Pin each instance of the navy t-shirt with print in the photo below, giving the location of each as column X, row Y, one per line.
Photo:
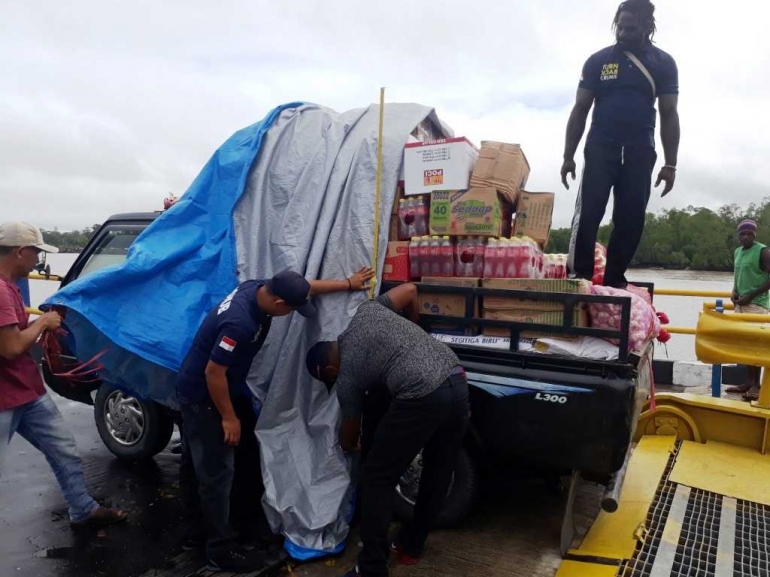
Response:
column 231, row 335
column 624, row 106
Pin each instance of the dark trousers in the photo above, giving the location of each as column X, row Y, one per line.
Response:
column 221, row 486
column 436, row 424
column 627, row 171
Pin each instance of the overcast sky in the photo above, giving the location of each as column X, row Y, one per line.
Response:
column 106, row 107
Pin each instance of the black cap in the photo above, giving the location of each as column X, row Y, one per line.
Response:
column 293, row 288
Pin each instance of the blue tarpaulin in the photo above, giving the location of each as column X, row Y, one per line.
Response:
column 175, row 272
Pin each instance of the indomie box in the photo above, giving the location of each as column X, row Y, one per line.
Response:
column 438, row 165
column 529, row 311
column 579, row 319
column 572, row 286
column 471, row 212
column 396, row 262
column 448, row 304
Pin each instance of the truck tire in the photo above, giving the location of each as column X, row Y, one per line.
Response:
column 131, row 428
column 459, row 500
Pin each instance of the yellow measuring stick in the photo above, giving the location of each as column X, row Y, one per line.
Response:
column 378, row 195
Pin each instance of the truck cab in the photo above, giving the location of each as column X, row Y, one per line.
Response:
column 131, row 428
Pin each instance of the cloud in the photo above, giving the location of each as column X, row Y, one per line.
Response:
column 106, row 108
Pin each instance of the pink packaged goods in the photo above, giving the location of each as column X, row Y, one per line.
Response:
column 645, row 324
column 413, row 217
column 513, row 258
column 555, row 266
column 432, row 257
column 469, row 256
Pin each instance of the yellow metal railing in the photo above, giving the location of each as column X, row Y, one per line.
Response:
column 53, row 277
column 728, row 306
column 692, row 293
column 680, row 330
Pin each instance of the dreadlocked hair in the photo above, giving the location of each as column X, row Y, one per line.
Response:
column 645, row 11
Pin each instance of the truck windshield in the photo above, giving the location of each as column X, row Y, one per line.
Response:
column 112, row 247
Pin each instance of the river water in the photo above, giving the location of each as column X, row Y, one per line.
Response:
column 683, row 311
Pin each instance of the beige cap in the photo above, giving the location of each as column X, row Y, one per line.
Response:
column 23, row 234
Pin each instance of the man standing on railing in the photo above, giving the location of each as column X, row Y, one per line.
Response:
column 25, row 406
column 622, row 83
column 750, row 291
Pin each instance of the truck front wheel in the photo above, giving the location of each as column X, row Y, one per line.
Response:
column 459, row 500
column 131, row 428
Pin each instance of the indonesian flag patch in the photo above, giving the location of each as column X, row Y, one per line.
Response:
column 228, row 344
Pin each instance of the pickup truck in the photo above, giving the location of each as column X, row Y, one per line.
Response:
column 562, row 413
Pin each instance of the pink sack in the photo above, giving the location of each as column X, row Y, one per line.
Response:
column 644, row 325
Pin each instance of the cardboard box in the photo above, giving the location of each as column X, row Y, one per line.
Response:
column 399, row 196
column 579, row 319
column 438, row 165
column 501, row 166
column 396, row 262
column 393, row 228
column 571, row 286
column 533, row 216
column 471, row 212
column 448, row 305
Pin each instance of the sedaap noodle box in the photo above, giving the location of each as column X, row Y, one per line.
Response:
column 470, row 212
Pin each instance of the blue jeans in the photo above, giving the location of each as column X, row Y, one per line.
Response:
column 42, row 425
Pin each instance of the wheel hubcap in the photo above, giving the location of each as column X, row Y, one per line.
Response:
column 409, row 484
column 124, row 418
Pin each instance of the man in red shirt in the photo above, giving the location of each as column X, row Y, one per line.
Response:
column 24, row 404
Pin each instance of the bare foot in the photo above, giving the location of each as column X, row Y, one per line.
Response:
column 102, row 517
column 752, row 394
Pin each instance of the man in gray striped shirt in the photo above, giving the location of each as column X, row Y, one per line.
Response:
column 379, row 353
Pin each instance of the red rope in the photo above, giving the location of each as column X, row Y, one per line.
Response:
column 75, row 373
column 653, row 404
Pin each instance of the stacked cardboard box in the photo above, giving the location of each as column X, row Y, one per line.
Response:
column 540, row 312
column 396, row 267
column 439, row 165
column 533, row 216
column 449, row 305
column 470, row 212
column 502, row 166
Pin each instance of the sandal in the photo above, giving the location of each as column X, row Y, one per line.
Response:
column 750, row 396
column 740, row 389
column 102, row 517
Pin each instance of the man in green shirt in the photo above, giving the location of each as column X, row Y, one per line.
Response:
column 750, row 291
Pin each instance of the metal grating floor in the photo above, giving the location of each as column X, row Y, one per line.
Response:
column 752, row 539
column 696, row 516
column 641, row 564
column 696, row 553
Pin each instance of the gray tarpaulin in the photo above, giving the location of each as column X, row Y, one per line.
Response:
column 309, row 206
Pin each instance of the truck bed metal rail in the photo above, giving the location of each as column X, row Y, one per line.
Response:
column 515, row 328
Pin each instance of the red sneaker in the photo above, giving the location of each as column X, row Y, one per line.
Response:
column 402, row 557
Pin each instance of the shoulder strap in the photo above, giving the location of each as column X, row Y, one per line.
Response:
column 643, row 69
